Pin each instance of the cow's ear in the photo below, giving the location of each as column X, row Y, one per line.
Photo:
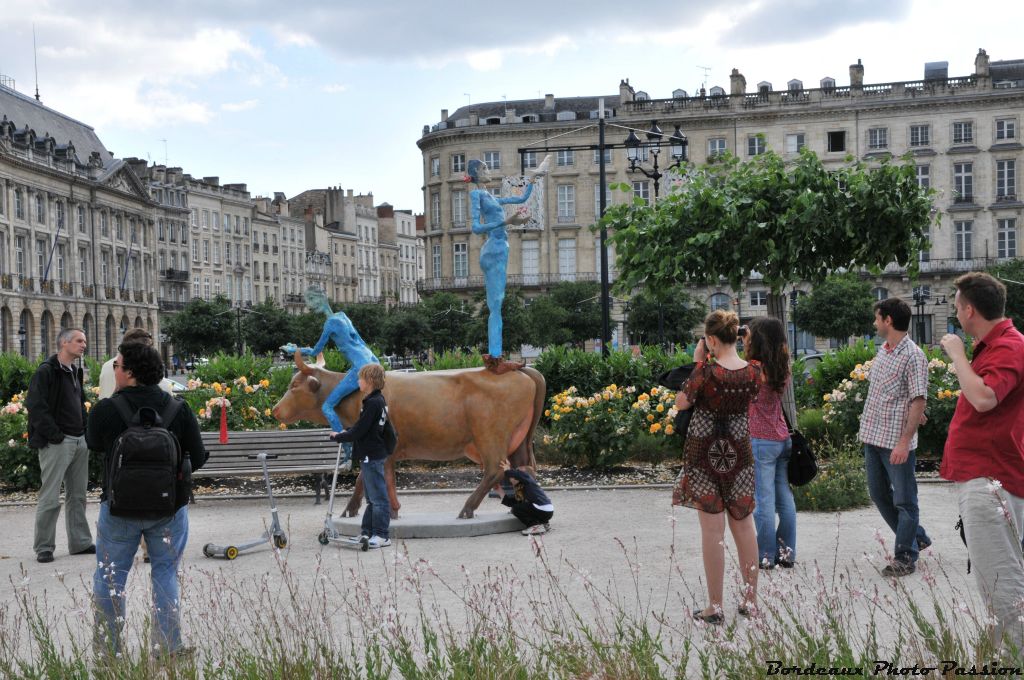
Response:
column 314, row 384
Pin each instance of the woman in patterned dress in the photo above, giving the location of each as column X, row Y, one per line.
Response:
column 718, row 466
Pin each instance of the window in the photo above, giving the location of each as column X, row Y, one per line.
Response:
column 837, row 141
column 104, row 228
column 62, row 273
column 1006, row 237
column 215, row 222
column 460, row 264
column 160, row 230
column 1006, row 128
column 758, row 298
column 720, row 301
column 245, row 225
column 642, row 190
column 962, row 235
column 83, row 266
column 566, row 202
column 755, row 145
column 920, row 135
column 19, row 255
column 435, row 257
column 435, row 166
column 227, row 223
column 567, row 259
column 40, row 257
column 565, row 157
column 607, row 156
column 238, row 224
column 458, row 162
column 963, row 133
column 194, row 217
column 1006, row 180
column 716, row 147
column 435, row 210
column 19, row 204
column 216, row 252
column 492, row 159
column 880, row 293
column 206, row 219
column 597, row 199
column 195, row 251
column 924, row 176
column 529, row 159
column 195, row 286
column 81, row 218
column 458, row 208
column 206, row 250
column 40, row 209
column 963, row 182
column 794, row 142
column 206, row 287
column 926, row 254
column 878, row 138
column 227, row 253
column 531, row 262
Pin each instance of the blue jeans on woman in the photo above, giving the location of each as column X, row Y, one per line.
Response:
column 893, row 488
column 377, row 516
column 117, row 541
column 772, row 496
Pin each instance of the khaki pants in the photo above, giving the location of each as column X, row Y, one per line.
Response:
column 66, row 463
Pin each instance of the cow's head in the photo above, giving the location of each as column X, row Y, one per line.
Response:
column 306, row 392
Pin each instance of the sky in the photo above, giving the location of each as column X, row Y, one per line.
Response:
column 301, row 95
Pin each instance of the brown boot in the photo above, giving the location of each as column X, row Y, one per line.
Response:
column 497, row 365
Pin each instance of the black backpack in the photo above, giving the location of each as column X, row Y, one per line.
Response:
column 388, row 433
column 146, row 466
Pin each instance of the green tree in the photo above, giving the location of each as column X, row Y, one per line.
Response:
column 787, row 221
column 368, row 320
column 305, row 328
column 406, row 331
column 668, row 318
column 581, row 301
column 266, row 327
column 548, row 323
column 1012, row 275
column 514, row 319
column 839, row 307
column 203, row 327
column 448, row 320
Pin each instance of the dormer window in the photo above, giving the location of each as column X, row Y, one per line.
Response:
column 764, row 87
column 679, row 94
column 494, row 120
column 828, row 84
column 795, row 85
column 717, row 91
column 641, row 96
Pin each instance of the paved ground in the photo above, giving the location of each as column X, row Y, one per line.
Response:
column 631, row 539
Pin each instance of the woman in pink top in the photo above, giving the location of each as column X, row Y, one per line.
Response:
column 769, row 438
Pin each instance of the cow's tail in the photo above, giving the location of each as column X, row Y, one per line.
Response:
column 539, row 398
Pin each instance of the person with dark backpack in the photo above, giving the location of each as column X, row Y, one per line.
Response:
column 152, row 444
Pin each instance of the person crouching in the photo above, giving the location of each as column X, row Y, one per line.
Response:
column 528, row 501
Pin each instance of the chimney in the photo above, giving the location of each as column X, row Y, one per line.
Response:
column 737, row 83
column 549, row 102
column 444, row 115
column 212, row 181
column 981, row 64
column 857, row 75
column 626, row 93
column 350, row 193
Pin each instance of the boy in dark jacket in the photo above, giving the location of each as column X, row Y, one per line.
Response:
column 528, row 501
column 367, row 437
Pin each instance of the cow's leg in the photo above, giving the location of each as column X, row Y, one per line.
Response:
column 491, row 455
column 389, row 479
column 356, row 500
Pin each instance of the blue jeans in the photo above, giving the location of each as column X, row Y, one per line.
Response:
column 893, row 489
column 377, row 516
column 772, row 496
column 117, row 540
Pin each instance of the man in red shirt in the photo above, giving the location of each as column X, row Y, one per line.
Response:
column 984, row 452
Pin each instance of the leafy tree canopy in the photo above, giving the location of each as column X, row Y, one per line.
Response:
column 1012, row 275
column 839, row 307
column 670, row 319
column 514, row 318
column 581, row 302
column 203, row 327
column 266, row 327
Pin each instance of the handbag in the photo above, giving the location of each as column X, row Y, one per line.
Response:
column 673, row 379
column 803, row 467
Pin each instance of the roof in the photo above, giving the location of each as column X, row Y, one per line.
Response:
column 26, row 111
column 1012, row 69
column 524, row 107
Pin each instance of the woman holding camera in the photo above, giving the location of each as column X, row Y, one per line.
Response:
column 717, row 478
column 769, row 437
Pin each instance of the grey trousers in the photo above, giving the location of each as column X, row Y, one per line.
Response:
column 993, row 525
column 66, row 463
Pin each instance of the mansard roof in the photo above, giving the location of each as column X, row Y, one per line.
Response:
column 526, row 107
column 25, row 111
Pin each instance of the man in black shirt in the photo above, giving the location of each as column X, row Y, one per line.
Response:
column 56, row 429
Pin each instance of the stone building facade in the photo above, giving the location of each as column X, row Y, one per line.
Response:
column 963, row 133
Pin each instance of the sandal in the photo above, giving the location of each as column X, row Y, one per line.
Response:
column 716, row 619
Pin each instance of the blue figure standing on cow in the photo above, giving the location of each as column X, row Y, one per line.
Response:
column 338, row 328
column 488, row 217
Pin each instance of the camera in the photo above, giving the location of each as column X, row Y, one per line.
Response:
column 742, row 331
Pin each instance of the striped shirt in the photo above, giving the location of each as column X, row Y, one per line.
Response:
column 898, row 376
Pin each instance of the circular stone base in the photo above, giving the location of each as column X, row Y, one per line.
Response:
column 438, row 525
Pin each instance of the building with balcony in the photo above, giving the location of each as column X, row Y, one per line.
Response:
column 78, row 244
column 399, row 245
column 963, row 133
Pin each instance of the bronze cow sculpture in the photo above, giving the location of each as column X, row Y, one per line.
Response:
column 439, row 415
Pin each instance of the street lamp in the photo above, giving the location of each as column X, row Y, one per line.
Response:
column 21, row 338
column 920, row 297
column 677, row 148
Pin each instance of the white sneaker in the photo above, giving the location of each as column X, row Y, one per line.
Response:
column 356, row 539
column 535, row 530
column 378, row 542
column 346, row 466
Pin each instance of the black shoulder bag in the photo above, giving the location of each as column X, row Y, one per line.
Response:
column 674, row 379
column 803, row 467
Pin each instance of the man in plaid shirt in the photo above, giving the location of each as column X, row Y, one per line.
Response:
column 892, row 413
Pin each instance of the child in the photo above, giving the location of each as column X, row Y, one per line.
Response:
column 367, row 437
column 528, row 501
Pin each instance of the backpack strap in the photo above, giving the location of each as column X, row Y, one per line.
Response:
column 124, row 408
column 170, row 411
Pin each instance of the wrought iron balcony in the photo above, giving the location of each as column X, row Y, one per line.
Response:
column 516, row 280
column 175, row 274
column 171, row 305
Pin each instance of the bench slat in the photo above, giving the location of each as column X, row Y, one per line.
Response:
column 298, row 451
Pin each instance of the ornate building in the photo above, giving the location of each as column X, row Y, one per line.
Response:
column 962, row 131
column 77, row 233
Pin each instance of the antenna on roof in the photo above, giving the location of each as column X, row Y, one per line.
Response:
column 707, row 70
column 35, row 60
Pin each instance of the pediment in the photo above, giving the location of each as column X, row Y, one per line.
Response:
column 124, row 180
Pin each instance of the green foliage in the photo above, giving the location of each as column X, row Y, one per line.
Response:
column 668, row 318
column 306, row 328
column 581, row 299
column 549, row 322
column 1009, row 272
column 836, row 367
column 565, row 367
column 406, row 331
column 19, row 465
column 367, row 318
column 451, row 359
column 787, row 221
column 515, row 322
column 811, row 424
column 15, row 373
column 839, row 307
column 203, row 327
column 841, row 483
column 447, row 317
column 93, row 367
column 224, row 368
column 266, row 327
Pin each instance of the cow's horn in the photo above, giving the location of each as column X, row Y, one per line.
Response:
column 300, row 362
column 320, row 361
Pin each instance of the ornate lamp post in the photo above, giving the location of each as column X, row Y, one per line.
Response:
column 678, row 146
column 21, row 338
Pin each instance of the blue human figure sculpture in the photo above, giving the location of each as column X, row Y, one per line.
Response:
column 338, row 328
column 488, row 217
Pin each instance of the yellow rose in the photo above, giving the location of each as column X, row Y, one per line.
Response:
column 650, row 417
column 266, row 412
column 556, row 417
column 661, row 408
column 282, row 426
column 547, row 413
column 669, row 429
column 827, row 397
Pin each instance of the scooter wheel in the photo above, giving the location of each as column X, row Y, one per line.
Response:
column 231, row 552
column 323, row 538
column 208, row 550
column 280, row 541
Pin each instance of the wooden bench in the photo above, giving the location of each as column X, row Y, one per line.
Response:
column 296, row 451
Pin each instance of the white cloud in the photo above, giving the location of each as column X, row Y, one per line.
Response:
column 334, row 88
column 240, row 106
